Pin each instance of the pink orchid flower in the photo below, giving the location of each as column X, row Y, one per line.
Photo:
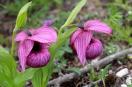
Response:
column 33, row 46
column 83, row 42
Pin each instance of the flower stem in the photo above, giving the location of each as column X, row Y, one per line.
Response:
column 50, row 71
column 60, row 30
column 50, row 66
column 103, row 82
column 13, row 42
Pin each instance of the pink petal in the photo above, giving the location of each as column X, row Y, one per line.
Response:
column 24, row 49
column 98, row 26
column 38, row 59
column 44, row 35
column 94, row 49
column 81, row 43
column 74, row 35
column 21, row 36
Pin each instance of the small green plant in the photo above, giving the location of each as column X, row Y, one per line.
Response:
column 60, row 61
column 94, row 76
column 118, row 18
column 46, row 4
column 4, row 41
column 38, row 12
column 103, row 73
column 129, row 85
column 111, row 48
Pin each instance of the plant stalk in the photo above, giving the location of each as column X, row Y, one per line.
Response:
column 13, row 42
column 103, row 82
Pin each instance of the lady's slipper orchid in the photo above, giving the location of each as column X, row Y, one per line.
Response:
column 83, row 42
column 33, row 46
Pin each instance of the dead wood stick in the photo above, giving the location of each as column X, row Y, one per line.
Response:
column 104, row 61
column 93, row 83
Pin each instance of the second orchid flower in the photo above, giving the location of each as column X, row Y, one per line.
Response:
column 84, row 44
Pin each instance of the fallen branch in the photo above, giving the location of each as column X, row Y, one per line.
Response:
column 100, row 63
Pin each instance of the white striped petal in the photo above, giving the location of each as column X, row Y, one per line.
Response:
column 81, row 43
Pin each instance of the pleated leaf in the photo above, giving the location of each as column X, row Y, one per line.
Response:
column 22, row 16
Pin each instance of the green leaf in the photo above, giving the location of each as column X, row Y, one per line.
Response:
column 7, row 68
column 22, row 16
column 75, row 70
column 129, row 85
column 37, row 79
column 104, row 72
column 7, row 60
column 74, row 13
column 64, row 36
column 92, row 74
column 24, row 76
column 47, row 70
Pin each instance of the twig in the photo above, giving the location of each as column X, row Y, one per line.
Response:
column 100, row 63
column 92, row 83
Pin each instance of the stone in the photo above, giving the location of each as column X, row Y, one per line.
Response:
column 122, row 72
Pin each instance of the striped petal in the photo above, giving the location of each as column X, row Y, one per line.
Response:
column 24, row 49
column 21, row 36
column 97, row 26
column 94, row 49
column 44, row 35
column 38, row 59
column 74, row 35
column 80, row 44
